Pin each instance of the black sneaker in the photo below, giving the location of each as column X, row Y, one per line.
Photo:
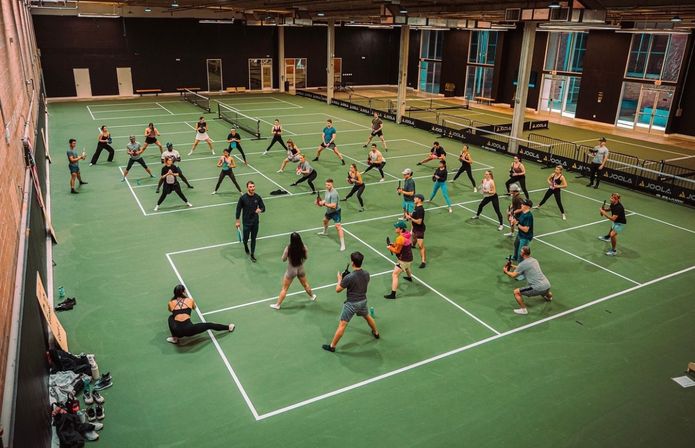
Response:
column 328, row 348
column 342, row 161
column 315, row 159
column 391, row 296
column 103, row 383
column 96, row 396
column 364, row 146
column 100, row 412
column 246, row 249
column 64, row 306
column 410, row 279
column 376, row 335
column 419, row 163
column 157, row 191
column 293, row 185
column 590, row 185
column 423, row 265
column 91, row 414
column 253, row 258
column 189, row 185
column 83, row 182
column 73, row 191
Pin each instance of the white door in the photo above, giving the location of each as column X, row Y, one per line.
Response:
column 83, row 85
column 125, row 81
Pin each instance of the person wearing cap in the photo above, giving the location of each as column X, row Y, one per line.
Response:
column 403, row 250
column 514, row 208
column 599, row 156
column 234, row 140
column 135, row 151
column 437, row 152
column 331, row 201
column 618, row 220
column 417, row 220
column 408, row 191
column 524, row 222
column 538, row 284
column 174, row 156
column 439, row 179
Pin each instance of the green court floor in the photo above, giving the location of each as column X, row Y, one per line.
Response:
column 454, row 366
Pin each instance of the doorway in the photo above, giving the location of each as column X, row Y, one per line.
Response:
column 559, row 94
column 125, row 81
column 295, row 72
column 337, row 71
column 83, row 84
column 260, row 74
column 645, row 107
column 214, row 69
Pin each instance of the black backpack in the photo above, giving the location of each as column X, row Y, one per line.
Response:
column 67, row 429
column 62, row 361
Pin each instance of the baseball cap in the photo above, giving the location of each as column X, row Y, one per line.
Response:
column 528, row 202
column 419, row 196
column 400, row 224
column 407, row 171
column 514, row 187
column 169, row 145
column 602, row 139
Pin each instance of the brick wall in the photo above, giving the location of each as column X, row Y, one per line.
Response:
column 18, row 63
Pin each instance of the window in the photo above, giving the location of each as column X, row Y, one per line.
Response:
column 481, row 59
column 656, row 56
column 431, row 45
column 483, row 47
column 565, row 52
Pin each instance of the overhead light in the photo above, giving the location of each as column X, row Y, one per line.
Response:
column 98, row 16
column 320, row 14
column 218, row 22
column 676, row 19
column 174, row 4
column 554, row 5
column 403, row 11
column 148, row 9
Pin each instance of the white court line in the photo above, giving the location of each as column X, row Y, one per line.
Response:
column 250, row 166
column 144, row 125
column 602, row 221
column 154, row 115
column 196, row 180
column 126, row 110
column 131, row 103
column 244, row 111
column 163, row 134
column 647, row 147
column 564, row 251
column 678, row 158
column 390, row 260
column 314, row 288
column 287, row 102
column 142, row 209
column 90, row 112
column 219, row 349
column 158, row 104
column 467, row 347
column 633, row 211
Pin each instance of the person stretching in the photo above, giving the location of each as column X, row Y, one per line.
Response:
column 226, row 162
column 293, row 153
column 331, row 201
column 417, row 219
column 170, row 174
column 375, row 160
column 489, row 195
column 234, row 140
column 295, row 255
column 466, row 162
column 180, row 326
column 517, row 175
column 556, row 182
column 538, row 284
column 355, row 179
column 307, row 172
column 439, row 178
column 277, row 136
column 328, row 141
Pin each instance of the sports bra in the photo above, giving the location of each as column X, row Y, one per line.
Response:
column 277, row 129
column 179, row 311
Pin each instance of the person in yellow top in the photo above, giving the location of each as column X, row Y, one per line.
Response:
column 403, row 250
column 355, row 179
column 181, row 306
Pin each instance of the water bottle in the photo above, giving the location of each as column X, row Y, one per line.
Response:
column 82, row 416
column 371, row 311
column 61, row 292
column 95, row 368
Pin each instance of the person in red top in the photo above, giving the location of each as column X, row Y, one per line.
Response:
column 402, row 249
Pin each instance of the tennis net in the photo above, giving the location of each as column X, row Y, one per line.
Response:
column 495, row 140
column 430, row 104
column 197, row 99
column 240, row 120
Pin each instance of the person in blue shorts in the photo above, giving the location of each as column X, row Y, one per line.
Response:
column 407, row 191
column 74, row 165
column 617, row 217
column 328, row 141
column 331, row 201
column 524, row 223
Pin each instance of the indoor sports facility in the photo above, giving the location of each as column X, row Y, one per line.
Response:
column 148, row 301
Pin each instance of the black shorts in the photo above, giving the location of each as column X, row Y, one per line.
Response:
column 419, row 234
column 150, row 140
column 131, row 162
column 329, row 146
column 378, row 133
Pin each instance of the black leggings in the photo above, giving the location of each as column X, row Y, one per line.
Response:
column 465, row 166
column 359, row 189
column 252, row 231
column 241, row 150
column 521, row 180
column 595, row 173
column 276, row 138
column 132, row 162
column 495, row 204
column 170, row 188
column 229, row 174
column 188, row 328
column 181, row 176
column 100, row 147
column 556, row 192
column 310, row 178
column 378, row 166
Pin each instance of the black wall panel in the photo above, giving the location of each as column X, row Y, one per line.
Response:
column 371, row 55
column 604, row 68
column 413, row 58
column 685, row 96
column 508, row 67
column 454, row 60
column 309, row 43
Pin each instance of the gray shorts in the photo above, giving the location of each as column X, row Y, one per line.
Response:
column 294, row 271
column 352, row 308
column 529, row 291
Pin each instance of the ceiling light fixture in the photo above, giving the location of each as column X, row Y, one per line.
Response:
column 676, row 19
column 148, row 9
column 174, row 4
column 403, row 11
column 320, row 14
column 554, row 5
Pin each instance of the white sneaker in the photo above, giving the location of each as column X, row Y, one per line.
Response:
column 475, row 217
column 173, row 339
column 98, row 426
column 214, row 192
column 612, row 253
column 475, row 190
column 381, row 180
column 564, row 218
column 500, row 227
column 91, row 164
column 279, row 171
column 264, row 153
column 322, row 234
column 523, row 311
column 451, row 210
column 510, row 234
column 123, row 180
column 274, row 306
column 91, row 435
column 189, row 204
column 190, row 153
column 342, row 248
column 313, row 297
column 231, row 327
column 156, row 207
column 212, row 151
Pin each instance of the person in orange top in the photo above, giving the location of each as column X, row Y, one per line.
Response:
column 402, row 249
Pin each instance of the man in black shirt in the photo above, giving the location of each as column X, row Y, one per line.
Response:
column 417, row 219
column 436, row 153
column 356, row 284
column 234, row 140
column 617, row 217
column 251, row 205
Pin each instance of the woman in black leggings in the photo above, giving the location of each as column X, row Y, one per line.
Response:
column 556, row 182
column 307, row 172
column 355, row 179
column 489, row 195
column 466, row 162
column 169, row 175
column 103, row 144
column 226, row 162
column 180, row 324
column 277, row 137
column 517, row 175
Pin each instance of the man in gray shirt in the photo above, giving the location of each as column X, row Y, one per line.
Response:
column 356, row 283
column 331, row 201
column 135, row 151
column 599, row 156
column 538, row 284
